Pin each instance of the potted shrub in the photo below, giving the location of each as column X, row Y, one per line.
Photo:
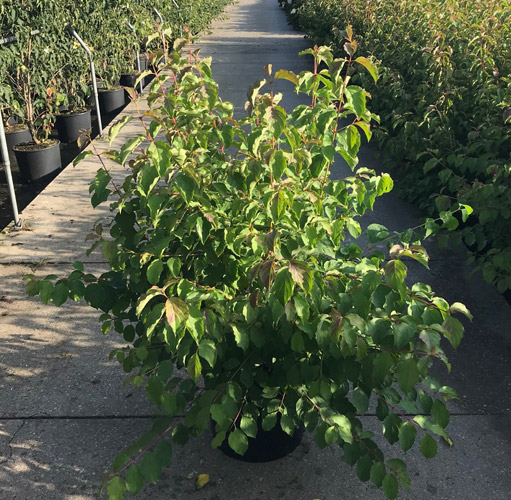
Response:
column 70, row 98
column 233, row 259
column 30, row 81
column 109, row 55
column 15, row 130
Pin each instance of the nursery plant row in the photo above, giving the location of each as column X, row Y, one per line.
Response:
column 444, row 98
column 45, row 74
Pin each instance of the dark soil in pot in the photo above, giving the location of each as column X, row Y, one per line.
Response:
column 14, row 135
column 69, row 125
column 111, row 100
column 36, row 161
column 267, row 445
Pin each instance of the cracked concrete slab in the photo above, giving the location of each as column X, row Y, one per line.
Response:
column 66, row 459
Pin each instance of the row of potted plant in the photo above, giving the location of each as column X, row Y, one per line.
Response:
column 45, row 78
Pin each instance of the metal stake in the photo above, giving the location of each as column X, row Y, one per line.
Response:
column 132, row 28
column 179, row 16
column 93, row 75
column 8, row 175
column 159, row 15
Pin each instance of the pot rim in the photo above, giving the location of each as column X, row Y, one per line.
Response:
column 13, row 129
column 29, row 151
column 73, row 113
column 117, row 88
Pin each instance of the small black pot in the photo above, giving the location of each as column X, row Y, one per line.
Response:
column 144, row 63
column 37, row 163
column 111, row 100
column 267, row 445
column 13, row 138
column 128, row 80
column 69, row 125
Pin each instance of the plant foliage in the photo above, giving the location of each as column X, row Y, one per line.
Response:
column 238, row 286
column 445, row 100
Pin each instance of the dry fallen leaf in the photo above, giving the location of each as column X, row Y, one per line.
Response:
column 202, row 480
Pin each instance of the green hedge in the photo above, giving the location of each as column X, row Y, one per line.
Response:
column 444, row 97
column 54, row 67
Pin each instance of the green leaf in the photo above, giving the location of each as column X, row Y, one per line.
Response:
column 278, row 164
column 154, row 271
column 301, row 275
column 186, row 186
column 364, row 466
column 377, row 474
column 218, row 439
column 343, row 426
column 369, row 65
column 94, row 295
column 248, row 426
column 174, row 264
column 227, row 135
column 407, row 374
column 194, row 367
column 134, row 480
column 117, row 127
column 407, row 434
column 180, row 434
column 207, row 351
column 466, row 210
column 60, row 294
column 302, row 307
column 177, row 312
column 81, row 156
column 241, row 336
column 269, row 421
column 376, row 233
column 381, row 367
column 360, row 400
column 297, row 343
column 163, row 453
column 152, row 320
column 440, row 413
column 46, row 291
column 286, row 75
column 391, row 426
column 428, row 446
column 395, row 273
column 283, row 286
column 150, row 468
column 356, row 99
column 154, row 390
column 116, row 489
column 453, row 331
column 390, row 486
column 238, row 441
column 458, row 307
column 403, row 334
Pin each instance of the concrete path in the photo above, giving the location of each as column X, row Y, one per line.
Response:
column 64, row 412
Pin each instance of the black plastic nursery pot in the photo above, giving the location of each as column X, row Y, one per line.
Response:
column 111, row 100
column 128, row 80
column 35, row 161
column 69, row 125
column 15, row 135
column 267, row 446
column 144, row 62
